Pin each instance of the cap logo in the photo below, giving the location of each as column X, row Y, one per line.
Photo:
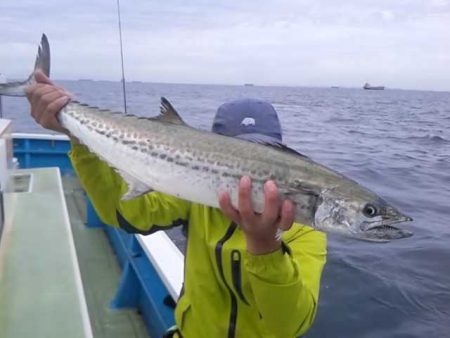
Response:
column 248, row 121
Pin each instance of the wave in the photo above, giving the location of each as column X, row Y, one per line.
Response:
column 339, row 120
column 432, row 139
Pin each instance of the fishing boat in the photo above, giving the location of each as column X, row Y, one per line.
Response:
column 63, row 273
column 368, row 86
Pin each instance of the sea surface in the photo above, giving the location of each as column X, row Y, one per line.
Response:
column 395, row 142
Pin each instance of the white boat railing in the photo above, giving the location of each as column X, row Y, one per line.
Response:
column 153, row 255
column 167, row 260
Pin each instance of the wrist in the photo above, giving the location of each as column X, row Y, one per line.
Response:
column 261, row 246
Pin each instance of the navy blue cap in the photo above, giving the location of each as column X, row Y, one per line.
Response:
column 249, row 119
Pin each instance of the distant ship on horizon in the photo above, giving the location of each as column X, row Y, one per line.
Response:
column 367, row 86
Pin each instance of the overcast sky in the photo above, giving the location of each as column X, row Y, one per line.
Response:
column 400, row 44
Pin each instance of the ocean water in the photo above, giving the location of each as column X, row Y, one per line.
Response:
column 395, row 142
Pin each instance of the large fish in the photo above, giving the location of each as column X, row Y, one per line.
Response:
column 164, row 154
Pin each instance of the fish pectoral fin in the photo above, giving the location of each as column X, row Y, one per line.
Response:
column 135, row 188
column 306, row 198
column 299, row 188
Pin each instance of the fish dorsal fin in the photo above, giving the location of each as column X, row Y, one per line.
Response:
column 169, row 114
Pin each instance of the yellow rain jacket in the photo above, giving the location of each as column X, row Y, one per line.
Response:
column 227, row 291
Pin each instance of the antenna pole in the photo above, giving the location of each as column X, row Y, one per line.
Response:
column 121, row 58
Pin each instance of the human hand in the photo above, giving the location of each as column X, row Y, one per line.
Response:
column 260, row 229
column 46, row 100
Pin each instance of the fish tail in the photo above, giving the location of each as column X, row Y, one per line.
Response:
column 42, row 63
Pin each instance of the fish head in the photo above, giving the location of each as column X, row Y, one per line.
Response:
column 367, row 217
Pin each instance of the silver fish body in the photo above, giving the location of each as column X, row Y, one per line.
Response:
column 164, row 154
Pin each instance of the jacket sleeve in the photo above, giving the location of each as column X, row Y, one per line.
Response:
column 285, row 283
column 144, row 214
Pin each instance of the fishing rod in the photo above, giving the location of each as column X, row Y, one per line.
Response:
column 2, row 80
column 121, row 58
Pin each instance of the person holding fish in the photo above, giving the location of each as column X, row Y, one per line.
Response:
column 255, row 246
column 242, row 277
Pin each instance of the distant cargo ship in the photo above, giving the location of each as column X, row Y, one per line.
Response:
column 248, row 84
column 369, row 87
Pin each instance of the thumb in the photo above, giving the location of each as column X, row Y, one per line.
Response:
column 40, row 77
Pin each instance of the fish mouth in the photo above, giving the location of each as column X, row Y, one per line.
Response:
column 384, row 230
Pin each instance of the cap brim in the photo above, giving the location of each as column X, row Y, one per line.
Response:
column 260, row 138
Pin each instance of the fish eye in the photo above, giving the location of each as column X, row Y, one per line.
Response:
column 370, row 210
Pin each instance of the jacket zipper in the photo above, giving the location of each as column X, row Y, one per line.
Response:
column 218, row 249
column 236, row 274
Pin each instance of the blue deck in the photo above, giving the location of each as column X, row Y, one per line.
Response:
column 140, row 285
